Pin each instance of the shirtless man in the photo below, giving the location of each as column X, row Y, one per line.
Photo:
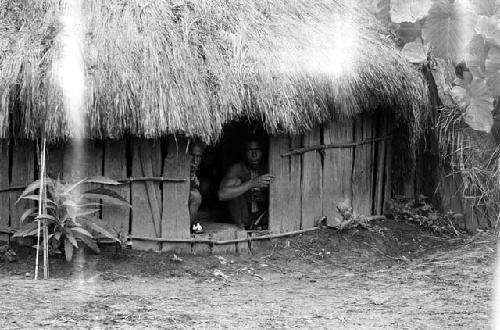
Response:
column 195, row 199
column 245, row 187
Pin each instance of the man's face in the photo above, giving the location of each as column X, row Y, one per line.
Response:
column 196, row 155
column 253, row 154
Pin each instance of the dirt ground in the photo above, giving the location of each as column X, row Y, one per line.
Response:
column 392, row 276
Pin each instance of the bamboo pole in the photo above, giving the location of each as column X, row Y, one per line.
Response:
column 232, row 241
column 45, row 227
column 40, row 207
column 333, row 146
column 121, row 181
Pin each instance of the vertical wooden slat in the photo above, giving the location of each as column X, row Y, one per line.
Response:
column 380, row 161
column 278, row 167
column 82, row 159
column 175, row 218
column 312, row 192
column 362, row 169
column 241, row 247
column 23, row 162
column 4, row 182
column 337, row 170
column 285, row 197
column 115, row 167
column 145, row 208
column 55, row 160
column 295, row 192
column 388, row 170
column 223, row 235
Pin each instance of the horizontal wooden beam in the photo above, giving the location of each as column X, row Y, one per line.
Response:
column 216, row 242
column 333, row 146
column 122, row 181
column 12, row 188
column 152, row 178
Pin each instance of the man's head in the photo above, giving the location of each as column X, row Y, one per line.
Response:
column 196, row 153
column 254, row 153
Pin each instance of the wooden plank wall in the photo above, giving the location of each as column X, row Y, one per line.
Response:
column 175, row 217
column 115, row 166
column 356, row 176
column 4, row 182
column 306, row 187
column 159, row 209
column 17, row 169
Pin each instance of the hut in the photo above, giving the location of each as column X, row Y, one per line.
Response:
column 321, row 79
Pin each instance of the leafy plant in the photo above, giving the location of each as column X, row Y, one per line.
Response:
column 460, row 32
column 348, row 220
column 423, row 215
column 71, row 213
column 459, row 40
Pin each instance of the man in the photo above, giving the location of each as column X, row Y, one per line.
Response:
column 195, row 199
column 245, row 187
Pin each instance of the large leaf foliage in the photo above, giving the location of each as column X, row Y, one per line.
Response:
column 492, row 68
column 409, row 10
column 485, row 7
column 449, row 28
column 415, row 52
column 70, row 212
column 452, row 31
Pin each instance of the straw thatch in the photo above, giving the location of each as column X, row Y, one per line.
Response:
column 165, row 66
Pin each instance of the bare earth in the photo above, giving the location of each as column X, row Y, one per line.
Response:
column 395, row 276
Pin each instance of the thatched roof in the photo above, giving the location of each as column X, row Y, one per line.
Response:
column 175, row 66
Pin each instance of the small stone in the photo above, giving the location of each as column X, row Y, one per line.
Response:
column 27, row 274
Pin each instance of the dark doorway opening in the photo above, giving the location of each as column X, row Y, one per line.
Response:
column 217, row 161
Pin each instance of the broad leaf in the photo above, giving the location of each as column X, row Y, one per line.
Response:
column 77, row 206
column 34, row 186
column 379, row 8
column 449, row 27
column 493, row 70
column 81, row 231
column 90, row 242
column 103, row 180
column 485, row 7
column 384, row 11
column 36, row 198
column 28, row 230
column 68, row 250
column 46, row 217
column 489, row 28
column 70, row 237
column 409, row 10
column 479, row 112
column 476, row 55
column 415, row 52
column 98, row 226
column 27, row 213
column 106, row 195
column 85, row 213
column 72, row 186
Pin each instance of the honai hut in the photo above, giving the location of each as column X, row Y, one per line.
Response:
column 321, row 82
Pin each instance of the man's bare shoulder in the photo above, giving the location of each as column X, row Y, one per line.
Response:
column 237, row 170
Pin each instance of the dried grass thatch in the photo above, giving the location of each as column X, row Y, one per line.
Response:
column 165, row 66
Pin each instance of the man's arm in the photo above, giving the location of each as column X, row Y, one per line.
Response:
column 232, row 186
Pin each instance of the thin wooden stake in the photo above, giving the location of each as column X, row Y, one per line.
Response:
column 45, row 227
column 40, row 206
